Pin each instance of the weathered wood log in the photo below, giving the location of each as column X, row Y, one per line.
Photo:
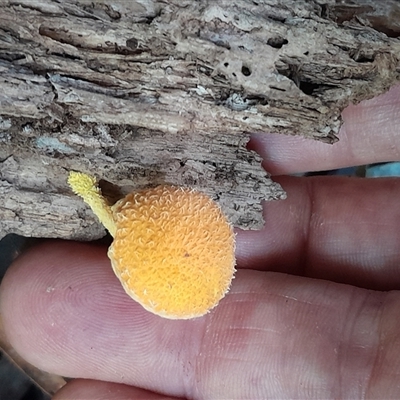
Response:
column 145, row 92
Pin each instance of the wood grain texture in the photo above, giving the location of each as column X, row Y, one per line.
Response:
column 146, row 92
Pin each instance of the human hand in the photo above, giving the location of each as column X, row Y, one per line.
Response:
column 313, row 311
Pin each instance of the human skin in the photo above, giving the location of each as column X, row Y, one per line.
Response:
column 312, row 313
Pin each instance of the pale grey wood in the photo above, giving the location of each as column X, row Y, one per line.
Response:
column 146, row 92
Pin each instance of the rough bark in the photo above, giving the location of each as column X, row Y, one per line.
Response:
column 146, row 92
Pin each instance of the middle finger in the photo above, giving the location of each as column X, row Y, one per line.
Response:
column 341, row 229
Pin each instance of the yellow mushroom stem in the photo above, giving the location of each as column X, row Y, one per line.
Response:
column 86, row 187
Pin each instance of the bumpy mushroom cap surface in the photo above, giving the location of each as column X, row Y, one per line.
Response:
column 173, row 251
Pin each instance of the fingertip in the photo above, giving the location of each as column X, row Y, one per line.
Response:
column 36, row 296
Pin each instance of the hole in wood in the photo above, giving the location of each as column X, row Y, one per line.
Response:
column 277, row 42
column 246, row 71
column 362, row 57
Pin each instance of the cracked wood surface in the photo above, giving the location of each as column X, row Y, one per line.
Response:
column 146, row 92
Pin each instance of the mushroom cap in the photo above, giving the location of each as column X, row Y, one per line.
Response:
column 173, row 251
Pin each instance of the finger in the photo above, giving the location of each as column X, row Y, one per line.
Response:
column 341, row 229
column 370, row 134
column 273, row 336
column 87, row 389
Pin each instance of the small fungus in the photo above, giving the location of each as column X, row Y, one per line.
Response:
column 173, row 248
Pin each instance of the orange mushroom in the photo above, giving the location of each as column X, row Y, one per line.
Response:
column 173, row 249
